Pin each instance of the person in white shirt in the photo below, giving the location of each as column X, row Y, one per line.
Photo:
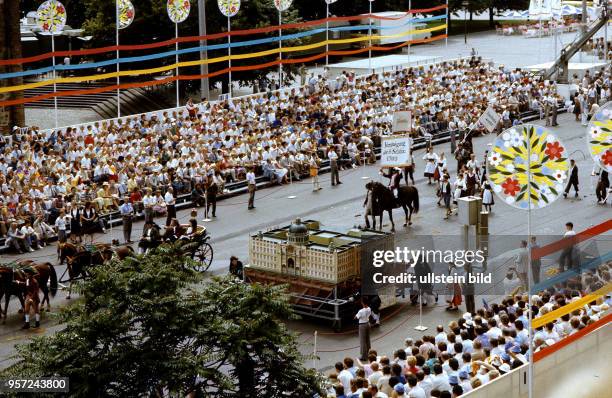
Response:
column 170, row 205
column 344, row 376
column 376, row 374
column 252, row 187
column 441, row 337
column 363, row 317
column 439, row 380
column 511, row 283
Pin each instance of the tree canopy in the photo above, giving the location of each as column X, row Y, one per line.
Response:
column 144, row 326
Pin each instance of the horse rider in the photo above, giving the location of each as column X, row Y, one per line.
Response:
column 395, row 177
column 32, row 299
column 150, row 237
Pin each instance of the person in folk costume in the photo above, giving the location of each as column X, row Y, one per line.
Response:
column 487, row 197
column 460, row 189
column 32, row 300
column 88, row 220
column 445, row 194
column 455, row 301
column 483, row 176
column 473, row 163
column 395, row 177
column 151, row 237
column 431, row 160
column 440, row 166
column 471, row 180
column 75, row 222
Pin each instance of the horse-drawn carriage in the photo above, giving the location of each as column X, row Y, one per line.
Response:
column 80, row 258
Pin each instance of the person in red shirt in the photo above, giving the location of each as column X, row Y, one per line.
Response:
column 136, row 200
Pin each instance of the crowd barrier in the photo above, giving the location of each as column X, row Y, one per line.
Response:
column 577, row 366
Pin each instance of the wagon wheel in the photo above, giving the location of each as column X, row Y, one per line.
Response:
column 204, row 256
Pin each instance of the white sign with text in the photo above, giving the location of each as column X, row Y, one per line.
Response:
column 402, row 121
column 395, row 151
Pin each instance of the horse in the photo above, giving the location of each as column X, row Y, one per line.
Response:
column 45, row 274
column 408, row 199
column 77, row 264
column 9, row 287
column 12, row 282
column 65, row 250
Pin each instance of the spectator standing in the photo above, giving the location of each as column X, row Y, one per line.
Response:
column 363, row 317
column 170, row 205
column 333, row 164
column 127, row 214
column 252, row 187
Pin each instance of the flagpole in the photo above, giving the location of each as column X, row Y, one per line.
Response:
column 410, row 15
column 280, row 50
column 370, row 37
column 117, row 41
column 326, row 33
column 176, row 47
column 54, row 77
column 446, row 38
column 229, row 56
column 529, row 270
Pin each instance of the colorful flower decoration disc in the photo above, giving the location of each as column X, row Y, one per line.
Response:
column 126, row 13
column 330, row 1
column 178, row 10
column 51, row 16
column 229, row 8
column 282, row 5
column 508, row 166
column 599, row 136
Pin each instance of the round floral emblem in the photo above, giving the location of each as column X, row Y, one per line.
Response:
column 527, row 166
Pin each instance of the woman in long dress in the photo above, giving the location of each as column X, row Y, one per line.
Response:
column 487, row 197
column 75, row 222
column 431, row 160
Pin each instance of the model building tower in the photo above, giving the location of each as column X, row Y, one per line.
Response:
column 303, row 250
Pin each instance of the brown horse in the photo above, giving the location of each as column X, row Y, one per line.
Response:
column 83, row 258
column 408, row 199
column 45, row 274
column 12, row 282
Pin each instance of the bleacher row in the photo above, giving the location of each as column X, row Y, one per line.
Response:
column 113, row 219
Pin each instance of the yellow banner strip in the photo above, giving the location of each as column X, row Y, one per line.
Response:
column 138, row 72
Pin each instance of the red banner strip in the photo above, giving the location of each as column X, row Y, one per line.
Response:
column 243, row 32
column 570, row 241
column 571, row 338
column 170, row 79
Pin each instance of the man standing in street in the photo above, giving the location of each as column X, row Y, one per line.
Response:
column 170, row 205
column 567, row 253
column 333, row 163
column 252, row 186
column 127, row 212
column 363, row 317
column 573, row 179
column 520, row 264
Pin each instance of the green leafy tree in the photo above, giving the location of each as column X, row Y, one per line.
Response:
column 145, row 328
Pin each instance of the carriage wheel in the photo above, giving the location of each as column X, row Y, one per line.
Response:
column 204, row 256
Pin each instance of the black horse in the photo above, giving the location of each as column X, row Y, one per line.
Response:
column 383, row 200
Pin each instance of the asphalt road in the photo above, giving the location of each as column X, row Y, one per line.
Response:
column 340, row 208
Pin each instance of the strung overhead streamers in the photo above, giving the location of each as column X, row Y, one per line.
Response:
column 178, row 10
column 126, row 13
column 528, row 166
column 599, row 136
column 229, row 8
column 51, row 16
column 282, row 5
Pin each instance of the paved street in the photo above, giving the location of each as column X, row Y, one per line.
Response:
column 339, row 208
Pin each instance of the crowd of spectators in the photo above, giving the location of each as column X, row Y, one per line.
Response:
column 277, row 135
column 474, row 350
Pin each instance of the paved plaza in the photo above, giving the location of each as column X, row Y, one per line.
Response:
column 340, row 208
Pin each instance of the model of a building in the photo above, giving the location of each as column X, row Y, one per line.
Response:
column 304, row 250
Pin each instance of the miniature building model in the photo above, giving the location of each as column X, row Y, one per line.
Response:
column 303, row 250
